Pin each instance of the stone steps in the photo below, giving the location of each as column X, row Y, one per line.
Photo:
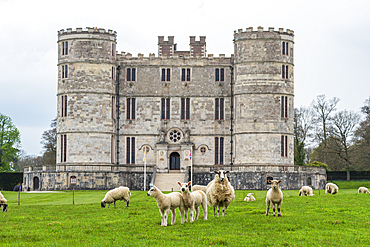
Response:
column 168, row 181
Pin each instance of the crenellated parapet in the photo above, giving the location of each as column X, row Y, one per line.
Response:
column 260, row 33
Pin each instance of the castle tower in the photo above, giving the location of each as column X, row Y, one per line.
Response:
column 198, row 47
column 264, row 94
column 86, row 99
column 166, row 47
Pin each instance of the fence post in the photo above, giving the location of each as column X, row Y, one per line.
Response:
column 73, row 196
column 19, row 197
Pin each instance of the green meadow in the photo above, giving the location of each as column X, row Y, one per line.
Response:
column 50, row 219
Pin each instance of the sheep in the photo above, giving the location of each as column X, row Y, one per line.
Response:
column 274, row 196
column 167, row 202
column 331, row 188
column 193, row 200
column 249, row 198
column 363, row 190
column 120, row 193
column 199, row 187
column 306, row 191
column 3, row 204
column 220, row 193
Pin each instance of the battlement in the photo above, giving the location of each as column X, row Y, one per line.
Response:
column 202, row 40
column 94, row 30
column 260, row 30
column 128, row 56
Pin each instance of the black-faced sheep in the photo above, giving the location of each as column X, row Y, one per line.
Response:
column 120, row 193
column 306, row 191
column 167, row 202
column 3, row 204
column 220, row 193
column 331, row 188
column 193, row 200
column 249, row 198
column 363, row 190
column 274, row 196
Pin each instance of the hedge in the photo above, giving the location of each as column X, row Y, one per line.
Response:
column 8, row 180
column 342, row 175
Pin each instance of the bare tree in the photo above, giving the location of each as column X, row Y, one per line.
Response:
column 324, row 107
column 344, row 123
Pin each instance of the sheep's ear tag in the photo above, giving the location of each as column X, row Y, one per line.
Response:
column 189, row 183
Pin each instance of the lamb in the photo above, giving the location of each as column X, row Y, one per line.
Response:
column 3, row 204
column 249, row 198
column 363, row 190
column 199, row 187
column 274, row 196
column 331, row 188
column 220, row 193
column 193, row 200
column 120, row 193
column 167, row 202
column 306, row 191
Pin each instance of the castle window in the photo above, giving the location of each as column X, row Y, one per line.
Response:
column 166, row 75
column 64, row 71
column 285, row 48
column 284, row 146
column 112, row 149
column 175, row 136
column 284, row 71
column 185, row 74
column 219, row 74
column 165, row 109
column 219, row 109
column 130, row 109
column 65, row 48
column 113, row 115
column 113, row 72
column 131, row 74
column 73, row 179
column 113, row 49
column 64, row 106
column 130, row 150
column 185, row 109
column 219, row 150
column 284, row 107
column 203, row 150
column 63, row 145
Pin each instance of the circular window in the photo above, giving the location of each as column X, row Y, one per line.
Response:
column 175, row 136
column 203, row 150
column 146, row 149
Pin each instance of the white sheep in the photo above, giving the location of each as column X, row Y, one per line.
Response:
column 249, row 198
column 306, row 191
column 331, row 188
column 274, row 196
column 167, row 202
column 363, row 190
column 3, row 204
column 220, row 193
column 120, row 193
column 193, row 200
column 199, row 187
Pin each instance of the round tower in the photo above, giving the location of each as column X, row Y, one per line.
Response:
column 86, row 99
column 263, row 96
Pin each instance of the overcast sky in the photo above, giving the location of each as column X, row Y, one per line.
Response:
column 331, row 56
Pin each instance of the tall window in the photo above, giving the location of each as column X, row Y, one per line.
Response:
column 165, row 109
column 284, row 71
column 130, row 109
column 131, row 74
column 284, row 48
column 130, row 150
column 284, row 146
column 63, row 145
column 185, row 74
column 113, row 72
column 166, row 75
column 64, row 106
column 220, row 75
column 64, row 71
column 185, row 108
column 65, row 48
column 219, row 109
column 219, row 150
column 113, row 115
column 284, row 106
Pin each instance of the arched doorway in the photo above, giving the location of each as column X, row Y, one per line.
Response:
column 175, row 161
column 36, row 183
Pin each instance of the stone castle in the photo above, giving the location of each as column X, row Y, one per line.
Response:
column 121, row 117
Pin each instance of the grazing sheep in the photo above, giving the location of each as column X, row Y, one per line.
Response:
column 306, row 191
column 193, row 200
column 274, row 196
column 249, row 198
column 220, row 193
column 3, row 204
column 167, row 202
column 363, row 190
column 120, row 193
column 331, row 188
column 199, row 187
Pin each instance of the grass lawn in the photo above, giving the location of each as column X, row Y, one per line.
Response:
column 50, row 219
